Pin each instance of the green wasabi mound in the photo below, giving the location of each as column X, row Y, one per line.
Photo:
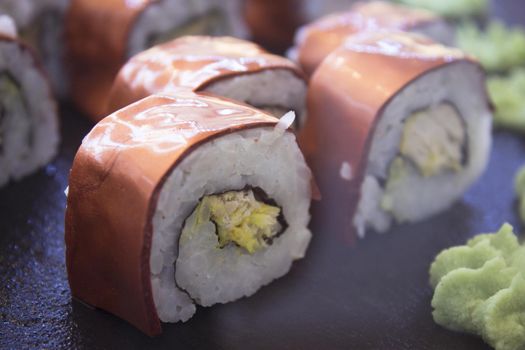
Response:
column 462, row 291
column 506, row 93
column 502, row 317
column 519, row 185
column 480, row 289
column 478, row 250
column 498, row 48
column 504, row 241
column 458, row 257
column 452, row 8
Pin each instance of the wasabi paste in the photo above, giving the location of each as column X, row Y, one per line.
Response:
column 452, row 8
column 506, row 93
column 498, row 48
column 519, row 185
column 480, row 289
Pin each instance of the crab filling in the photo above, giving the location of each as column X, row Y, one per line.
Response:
column 211, row 23
column 433, row 143
column 242, row 218
column 433, row 140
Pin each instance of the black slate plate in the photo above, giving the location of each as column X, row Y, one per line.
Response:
column 366, row 294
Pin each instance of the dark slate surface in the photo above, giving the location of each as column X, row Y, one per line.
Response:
column 367, row 294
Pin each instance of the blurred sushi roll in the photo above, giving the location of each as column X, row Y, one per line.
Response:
column 316, row 40
column 28, row 114
column 273, row 23
column 314, row 9
column 223, row 66
column 406, row 121
column 183, row 200
column 101, row 35
column 41, row 25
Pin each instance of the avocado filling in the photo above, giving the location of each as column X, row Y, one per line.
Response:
column 242, row 218
column 11, row 104
column 210, row 23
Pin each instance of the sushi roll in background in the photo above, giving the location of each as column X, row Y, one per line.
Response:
column 102, row 34
column 313, row 9
column 28, row 113
column 41, row 25
column 181, row 201
column 224, row 66
column 316, row 40
column 406, row 122
column 273, row 23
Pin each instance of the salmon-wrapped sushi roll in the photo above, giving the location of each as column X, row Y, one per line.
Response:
column 273, row 23
column 41, row 25
column 28, row 114
column 406, row 121
column 224, row 66
column 314, row 41
column 102, row 34
column 181, row 201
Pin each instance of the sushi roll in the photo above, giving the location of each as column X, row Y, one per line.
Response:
column 28, row 114
column 406, row 122
column 41, row 25
column 101, row 35
column 273, row 23
column 183, row 200
column 314, row 41
column 223, row 66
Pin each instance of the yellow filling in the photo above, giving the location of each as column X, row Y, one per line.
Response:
column 432, row 143
column 240, row 218
column 433, row 140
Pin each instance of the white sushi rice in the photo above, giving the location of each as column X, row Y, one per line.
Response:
column 38, row 121
column 417, row 197
column 271, row 89
column 166, row 15
column 268, row 158
column 27, row 14
column 8, row 27
column 345, row 172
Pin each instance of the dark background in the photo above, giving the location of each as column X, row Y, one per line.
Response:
column 366, row 294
